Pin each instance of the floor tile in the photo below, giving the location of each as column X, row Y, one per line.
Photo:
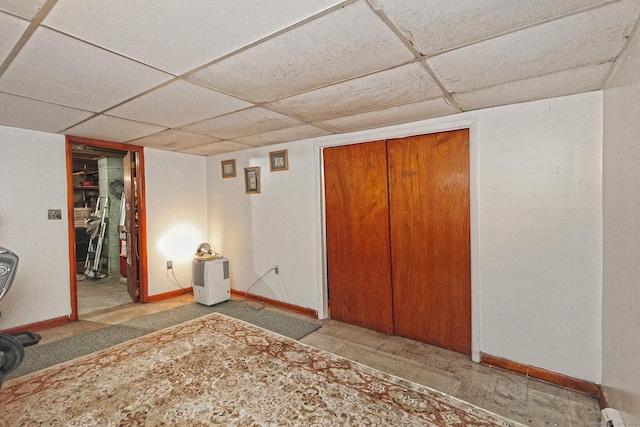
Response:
column 507, row 407
column 585, row 411
column 522, row 399
column 467, row 392
column 434, row 377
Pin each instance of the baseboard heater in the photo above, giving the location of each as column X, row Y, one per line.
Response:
column 612, row 418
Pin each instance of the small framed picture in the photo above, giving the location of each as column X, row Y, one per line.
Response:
column 279, row 160
column 228, row 168
column 252, row 180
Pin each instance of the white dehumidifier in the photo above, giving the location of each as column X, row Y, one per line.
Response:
column 211, row 283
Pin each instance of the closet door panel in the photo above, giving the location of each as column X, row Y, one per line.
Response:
column 430, row 243
column 357, row 229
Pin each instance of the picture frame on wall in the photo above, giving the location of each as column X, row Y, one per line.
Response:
column 279, row 160
column 252, row 180
column 228, row 168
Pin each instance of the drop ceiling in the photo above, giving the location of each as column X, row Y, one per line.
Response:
column 207, row 77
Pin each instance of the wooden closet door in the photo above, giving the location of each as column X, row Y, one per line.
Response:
column 357, row 227
column 430, row 243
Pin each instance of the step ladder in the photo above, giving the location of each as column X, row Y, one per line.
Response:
column 96, row 227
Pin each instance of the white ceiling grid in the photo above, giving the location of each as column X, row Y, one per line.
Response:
column 210, row 77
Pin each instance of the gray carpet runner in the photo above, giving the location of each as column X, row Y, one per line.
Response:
column 41, row 356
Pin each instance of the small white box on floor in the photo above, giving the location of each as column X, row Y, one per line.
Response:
column 211, row 283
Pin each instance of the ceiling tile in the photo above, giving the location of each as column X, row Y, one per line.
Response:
column 216, row 148
column 26, row 113
column 12, row 30
column 344, row 44
column 175, row 36
column 447, row 25
column 283, row 135
column 579, row 40
column 173, row 139
column 243, row 123
column 61, row 70
column 391, row 116
column 402, row 85
column 178, row 103
column 24, row 8
column 567, row 82
column 113, row 129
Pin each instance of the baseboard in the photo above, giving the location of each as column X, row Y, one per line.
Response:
column 39, row 326
column 167, row 295
column 602, row 399
column 571, row 383
column 285, row 305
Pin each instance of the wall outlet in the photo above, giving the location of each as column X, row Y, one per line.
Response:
column 54, row 214
column 169, row 265
column 277, row 269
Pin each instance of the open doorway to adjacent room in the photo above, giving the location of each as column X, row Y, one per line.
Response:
column 105, row 211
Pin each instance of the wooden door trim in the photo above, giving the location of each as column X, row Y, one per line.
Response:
column 71, row 230
column 142, row 217
column 142, row 226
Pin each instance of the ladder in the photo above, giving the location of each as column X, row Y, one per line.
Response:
column 94, row 252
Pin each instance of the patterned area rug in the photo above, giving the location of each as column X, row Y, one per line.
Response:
column 217, row 370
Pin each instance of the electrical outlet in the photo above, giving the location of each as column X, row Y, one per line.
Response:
column 169, row 265
column 277, row 270
column 54, row 213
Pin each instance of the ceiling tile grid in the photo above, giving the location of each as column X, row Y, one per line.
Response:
column 114, row 129
column 243, row 123
column 402, row 85
column 214, row 77
column 20, row 112
column 61, row 70
column 174, row 140
column 347, row 43
column 175, row 36
column 595, row 36
column 406, row 113
column 12, row 30
column 216, row 148
column 178, row 103
column 565, row 82
column 434, row 26
column 24, row 8
column 283, row 135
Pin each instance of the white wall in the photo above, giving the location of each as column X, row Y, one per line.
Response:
column 540, row 172
column 536, row 232
column 278, row 226
column 621, row 287
column 33, row 180
column 176, row 216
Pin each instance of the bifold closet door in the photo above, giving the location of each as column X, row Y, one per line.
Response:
column 357, row 229
column 430, row 242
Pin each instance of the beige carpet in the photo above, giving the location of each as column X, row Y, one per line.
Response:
column 217, row 370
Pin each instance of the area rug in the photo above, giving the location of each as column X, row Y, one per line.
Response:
column 216, row 370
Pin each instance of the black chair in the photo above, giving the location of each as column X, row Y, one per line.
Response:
column 11, row 349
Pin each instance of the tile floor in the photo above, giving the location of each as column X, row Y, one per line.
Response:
column 520, row 398
column 94, row 295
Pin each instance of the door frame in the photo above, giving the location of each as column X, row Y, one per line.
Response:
column 141, row 208
column 402, row 131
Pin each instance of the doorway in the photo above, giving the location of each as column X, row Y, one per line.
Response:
column 106, row 211
column 399, row 212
